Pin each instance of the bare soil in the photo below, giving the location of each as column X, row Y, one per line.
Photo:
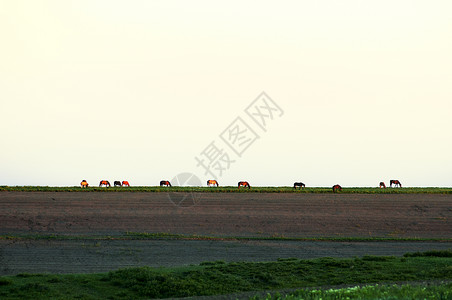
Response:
column 218, row 214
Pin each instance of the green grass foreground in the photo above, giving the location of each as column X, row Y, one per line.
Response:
column 369, row 292
column 230, row 189
column 219, row 278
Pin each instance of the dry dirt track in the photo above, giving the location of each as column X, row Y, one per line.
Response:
column 219, row 214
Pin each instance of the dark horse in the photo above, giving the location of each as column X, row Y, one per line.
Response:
column 212, row 182
column 244, row 184
column 165, row 183
column 382, row 185
column 104, row 182
column 395, row 182
column 298, row 184
column 125, row 183
column 117, row 183
column 337, row 188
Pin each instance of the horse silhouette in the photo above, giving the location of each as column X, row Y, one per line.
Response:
column 382, row 185
column 395, row 182
column 104, row 182
column 165, row 183
column 298, row 184
column 212, row 182
column 117, row 183
column 244, row 184
column 337, row 188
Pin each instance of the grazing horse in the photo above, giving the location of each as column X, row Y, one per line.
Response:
column 84, row 184
column 212, row 182
column 298, row 184
column 165, row 183
column 104, row 182
column 337, row 188
column 117, row 183
column 125, row 183
column 395, row 182
column 382, row 185
column 244, row 184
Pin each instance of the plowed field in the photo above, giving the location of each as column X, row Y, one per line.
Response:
column 217, row 214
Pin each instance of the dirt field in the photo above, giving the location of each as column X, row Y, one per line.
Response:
column 218, row 214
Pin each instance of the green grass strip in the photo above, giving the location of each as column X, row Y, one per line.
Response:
column 173, row 236
column 230, row 189
column 217, row 278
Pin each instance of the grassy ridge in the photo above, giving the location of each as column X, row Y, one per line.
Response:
column 215, row 278
column 229, row 189
column 172, row 236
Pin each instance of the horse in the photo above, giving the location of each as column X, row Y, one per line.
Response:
column 117, row 183
column 104, row 182
column 212, row 182
column 244, row 184
column 298, row 184
column 395, row 182
column 337, row 188
column 125, row 183
column 165, row 183
column 382, row 185
column 84, row 184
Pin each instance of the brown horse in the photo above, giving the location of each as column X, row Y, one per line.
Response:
column 84, row 184
column 337, row 188
column 395, row 182
column 125, row 183
column 117, row 183
column 104, row 182
column 212, row 182
column 165, row 183
column 382, row 185
column 298, row 184
column 244, row 184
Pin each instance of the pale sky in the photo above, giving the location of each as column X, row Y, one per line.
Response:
column 135, row 90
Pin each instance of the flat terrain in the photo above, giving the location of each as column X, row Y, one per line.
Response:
column 97, row 214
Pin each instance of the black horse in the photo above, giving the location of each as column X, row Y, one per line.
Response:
column 117, row 183
column 298, row 184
